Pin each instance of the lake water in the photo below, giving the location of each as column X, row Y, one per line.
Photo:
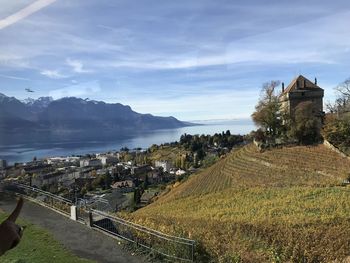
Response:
column 22, row 148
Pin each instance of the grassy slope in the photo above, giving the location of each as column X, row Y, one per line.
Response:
column 37, row 245
column 281, row 204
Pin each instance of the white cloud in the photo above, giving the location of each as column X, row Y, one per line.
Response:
column 53, row 74
column 252, row 42
column 76, row 65
column 182, row 51
column 13, row 77
column 222, row 104
column 321, row 41
column 25, row 12
column 87, row 89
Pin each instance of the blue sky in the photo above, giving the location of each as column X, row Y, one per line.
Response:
column 190, row 59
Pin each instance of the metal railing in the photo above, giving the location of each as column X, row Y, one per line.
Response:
column 171, row 247
column 84, row 206
column 100, row 204
column 46, row 198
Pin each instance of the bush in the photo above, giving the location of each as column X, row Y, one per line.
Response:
column 259, row 135
column 305, row 126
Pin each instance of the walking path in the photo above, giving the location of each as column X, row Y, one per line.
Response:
column 76, row 237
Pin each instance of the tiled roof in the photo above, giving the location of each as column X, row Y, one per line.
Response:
column 301, row 83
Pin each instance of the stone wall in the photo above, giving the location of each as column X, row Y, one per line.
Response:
column 335, row 149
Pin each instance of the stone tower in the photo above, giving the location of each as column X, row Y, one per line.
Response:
column 302, row 90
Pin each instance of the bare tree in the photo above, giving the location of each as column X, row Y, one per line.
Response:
column 342, row 103
column 344, row 89
column 267, row 111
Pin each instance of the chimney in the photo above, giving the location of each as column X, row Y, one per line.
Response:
column 282, row 87
column 315, row 81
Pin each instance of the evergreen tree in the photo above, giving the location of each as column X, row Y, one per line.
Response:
column 137, row 196
column 107, row 180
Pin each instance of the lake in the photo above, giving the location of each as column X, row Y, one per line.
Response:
column 23, row 147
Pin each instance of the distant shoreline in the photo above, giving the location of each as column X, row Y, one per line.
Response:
column 23, row 147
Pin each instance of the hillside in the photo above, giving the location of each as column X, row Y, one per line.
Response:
column 279, row 205
column 167, row 153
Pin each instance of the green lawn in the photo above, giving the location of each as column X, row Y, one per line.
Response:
column 38, row 245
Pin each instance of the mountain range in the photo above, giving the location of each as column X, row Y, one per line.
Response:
column 76, row 114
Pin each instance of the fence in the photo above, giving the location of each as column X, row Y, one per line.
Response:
column 171, row 247
column 84, row 206
column 58, row 203
column 100, row 204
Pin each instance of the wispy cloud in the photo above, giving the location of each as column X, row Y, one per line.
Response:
column 77, row 66
column 13, row 77
column 86, row 89
column 197, row 105
column 107, row 27
column 53, row 74
column 194, row 48
column 25, row 12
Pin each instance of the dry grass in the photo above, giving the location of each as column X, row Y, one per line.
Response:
column 280, row 205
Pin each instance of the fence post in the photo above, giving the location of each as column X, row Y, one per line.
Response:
column 73, row 213
column 91, row 222
column 166, row 245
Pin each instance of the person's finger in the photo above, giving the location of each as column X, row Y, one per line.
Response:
column 21, row 230
column 15, row 213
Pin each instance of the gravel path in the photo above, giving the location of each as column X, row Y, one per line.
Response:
column 76, row 237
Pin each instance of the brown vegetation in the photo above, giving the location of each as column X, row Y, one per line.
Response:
column 280, row 205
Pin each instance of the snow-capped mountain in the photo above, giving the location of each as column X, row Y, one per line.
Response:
column 77, row 114
column 41, row 102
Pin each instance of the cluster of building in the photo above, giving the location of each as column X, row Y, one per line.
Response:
column 75, row 172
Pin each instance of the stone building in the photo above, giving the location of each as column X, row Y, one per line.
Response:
column 166, row 165
column 90, row 163
column 302, row 90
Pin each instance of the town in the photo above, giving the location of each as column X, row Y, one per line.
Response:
column 126, row 179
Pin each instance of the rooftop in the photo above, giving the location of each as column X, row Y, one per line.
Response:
column 301, row 83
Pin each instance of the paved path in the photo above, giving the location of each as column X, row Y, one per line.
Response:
column 76, row 237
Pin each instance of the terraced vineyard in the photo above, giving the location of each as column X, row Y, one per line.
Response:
column 168, row 153
column 280, row 205
column 247, row 167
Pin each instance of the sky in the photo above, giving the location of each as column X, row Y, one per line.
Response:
column 194, row 60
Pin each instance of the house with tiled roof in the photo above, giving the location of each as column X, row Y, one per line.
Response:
column 302, row 90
